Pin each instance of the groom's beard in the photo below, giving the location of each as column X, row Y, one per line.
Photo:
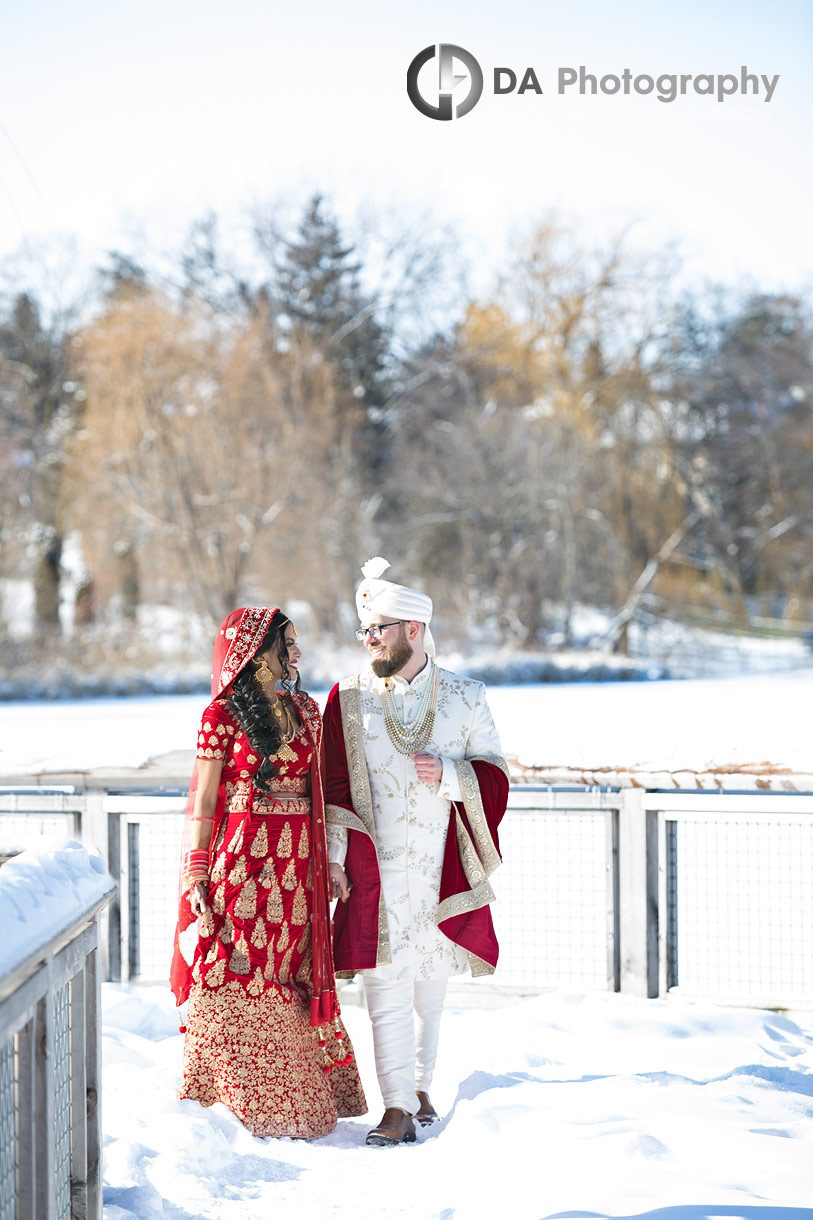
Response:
column 392, row 658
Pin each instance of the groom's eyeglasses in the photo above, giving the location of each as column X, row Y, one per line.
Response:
column 374, row 632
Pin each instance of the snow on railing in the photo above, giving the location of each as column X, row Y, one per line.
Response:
column 51, row 901
column 740, row 777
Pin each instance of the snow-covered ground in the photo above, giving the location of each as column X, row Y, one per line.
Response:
column 691, row 724
column 562, row 1106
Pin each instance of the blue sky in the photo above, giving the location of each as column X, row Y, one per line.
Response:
column 118, row 117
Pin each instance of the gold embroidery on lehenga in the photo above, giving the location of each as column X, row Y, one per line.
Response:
column 267, row 875
column 219, row 870
column 299, row 914
column 214, row 977
column 236, row 840
column 285, row 845
column 256, row 986
column 285, row 968
column 260, row 1057
column 259, row 848
column 246, row 905
column 273, row 909
column 259, row 937
column 239, row 962
column 303, row 851
column 289, row 876
column 226, row 933
column 303, row 974
column 284, row 938
column 238, row 873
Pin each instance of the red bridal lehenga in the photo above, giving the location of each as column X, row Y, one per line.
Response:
column 249, row 1039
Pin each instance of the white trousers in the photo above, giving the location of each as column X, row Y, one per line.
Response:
column 406, row 1023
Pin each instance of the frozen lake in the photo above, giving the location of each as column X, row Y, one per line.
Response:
column 693, row 724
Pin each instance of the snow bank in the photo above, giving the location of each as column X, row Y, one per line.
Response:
column 565, row 1105
column 42, row 892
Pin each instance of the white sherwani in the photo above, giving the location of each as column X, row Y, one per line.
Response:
column 412, row 818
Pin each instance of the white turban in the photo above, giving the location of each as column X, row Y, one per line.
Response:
column 376, row 596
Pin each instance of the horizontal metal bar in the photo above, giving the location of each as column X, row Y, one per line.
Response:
column 772, row 803
column 138, row 804
column 39, row 801
column 544, row 800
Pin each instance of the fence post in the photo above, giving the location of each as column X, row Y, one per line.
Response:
column 44, row 1114
column 638, row 898
column 93, row 1077
column 94, row 834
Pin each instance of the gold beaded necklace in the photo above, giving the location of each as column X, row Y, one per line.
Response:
column 411, row 738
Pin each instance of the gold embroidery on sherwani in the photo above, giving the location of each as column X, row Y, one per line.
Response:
column 238, row 874
column 289, row 876
column 259, row 848
column 360, row 794
column 299, row 914
column 356, row 762
column 259, row 937
column 246, row 905
column 463, row 727
column 303, row 850
column 285, row 845
column 479, row 857
column 473, row 804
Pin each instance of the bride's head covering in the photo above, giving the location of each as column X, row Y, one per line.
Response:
column 238, row 640
column 377, row 596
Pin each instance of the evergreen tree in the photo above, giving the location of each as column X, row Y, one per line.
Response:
column 317, row 292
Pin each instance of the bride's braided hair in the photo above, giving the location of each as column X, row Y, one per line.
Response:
column 252, row 709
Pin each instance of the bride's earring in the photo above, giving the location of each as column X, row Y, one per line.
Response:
column 264, row 676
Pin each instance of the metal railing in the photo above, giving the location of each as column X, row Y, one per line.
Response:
column 631, row 889
column 50, row 1075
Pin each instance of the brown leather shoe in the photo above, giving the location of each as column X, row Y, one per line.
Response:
column 396, row 1127
column 427, row 1113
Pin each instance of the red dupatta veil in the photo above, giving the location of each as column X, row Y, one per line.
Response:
column 238, row 640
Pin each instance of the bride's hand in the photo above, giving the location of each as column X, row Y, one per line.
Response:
column 199, row 897
column 340, row 886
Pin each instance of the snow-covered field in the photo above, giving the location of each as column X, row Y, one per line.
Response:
column 692, row 724
column 561, row 1106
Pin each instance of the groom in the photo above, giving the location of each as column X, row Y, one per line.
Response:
column 416, row 786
